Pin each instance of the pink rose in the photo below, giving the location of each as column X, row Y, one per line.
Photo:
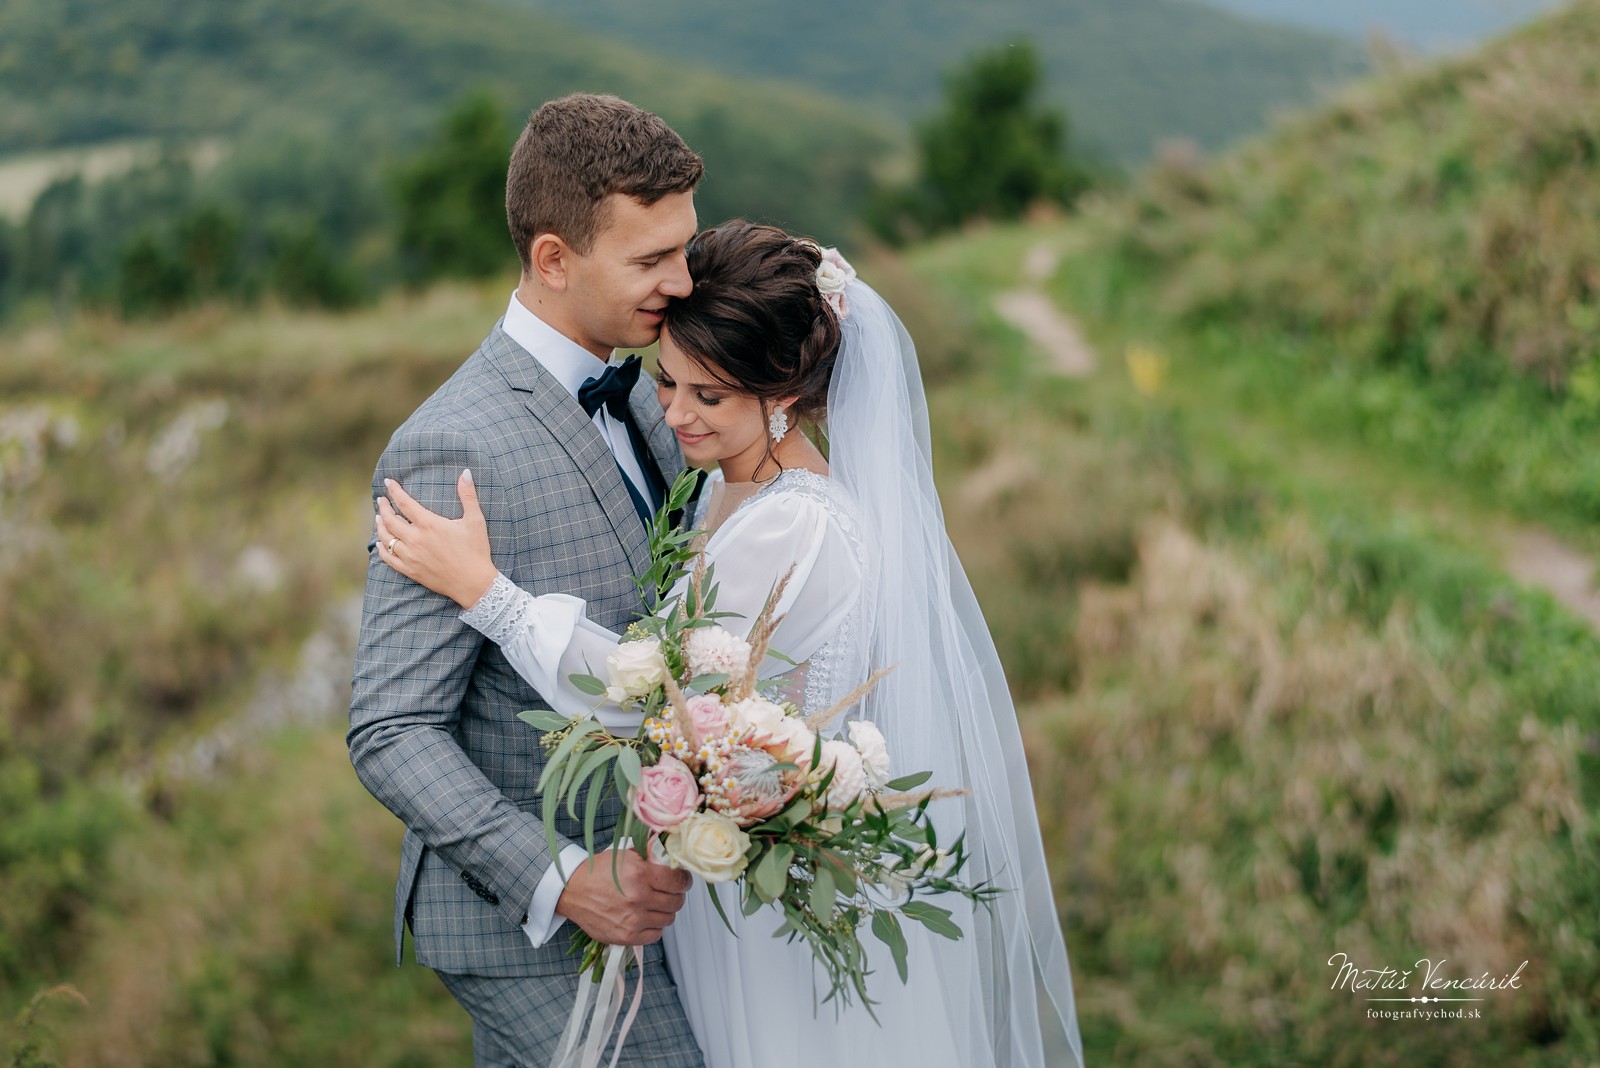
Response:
column 708, row 718
column 667, row 794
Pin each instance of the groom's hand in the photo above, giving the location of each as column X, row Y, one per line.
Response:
column 650, row 895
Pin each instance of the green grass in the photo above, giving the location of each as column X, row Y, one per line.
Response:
column 1283, row 698
column 1412, row 269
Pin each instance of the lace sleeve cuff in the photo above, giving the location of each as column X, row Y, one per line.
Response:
column 500, row 613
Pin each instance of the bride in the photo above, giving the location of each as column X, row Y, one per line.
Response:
column 778, row 335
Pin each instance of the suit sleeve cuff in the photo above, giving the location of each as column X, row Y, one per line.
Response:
column 542, row 919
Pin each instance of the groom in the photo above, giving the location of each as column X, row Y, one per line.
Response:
column 600, row 203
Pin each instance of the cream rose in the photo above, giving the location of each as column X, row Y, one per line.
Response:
column 709, row 844
column 667, row 794
column 869, row 742
column 772, row 728
column 793, row 741
column 635, row 668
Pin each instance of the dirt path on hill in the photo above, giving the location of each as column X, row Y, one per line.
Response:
column 1533, row 557
column 1538, row 558
column 1036, row 315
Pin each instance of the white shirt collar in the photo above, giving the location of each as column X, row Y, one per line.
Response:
column 570, row 363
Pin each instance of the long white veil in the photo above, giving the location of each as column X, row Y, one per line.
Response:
column 1006, row 985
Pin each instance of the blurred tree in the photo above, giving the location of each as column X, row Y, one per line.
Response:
column 151, row 280
column 451, row 197
column 208, row 241
column 10, row 263
column 57, row 236
column 305, row 270
column 992, row 152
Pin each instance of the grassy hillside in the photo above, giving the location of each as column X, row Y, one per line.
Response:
column 1132, row 73
column 1419, row 265
column 375, row 75
column 183, row 519
column 1283, row 701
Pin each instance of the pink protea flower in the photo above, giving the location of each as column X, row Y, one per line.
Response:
column 754, row 788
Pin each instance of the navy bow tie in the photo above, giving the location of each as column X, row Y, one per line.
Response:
column 611, row 390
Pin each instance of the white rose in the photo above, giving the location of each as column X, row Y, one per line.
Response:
column 833, row 273
column 849, row 778
column 874, row 751
column 709, row 844
column 773, row 729
column 757, row 715
column 635, row 669
column 716, row 651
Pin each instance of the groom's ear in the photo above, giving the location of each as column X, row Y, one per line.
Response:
column 551, row 257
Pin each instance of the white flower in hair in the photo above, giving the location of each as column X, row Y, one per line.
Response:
column 834, row 273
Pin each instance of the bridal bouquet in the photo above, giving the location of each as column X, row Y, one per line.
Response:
column 729, row 780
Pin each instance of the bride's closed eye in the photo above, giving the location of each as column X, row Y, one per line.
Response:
column 709, row 400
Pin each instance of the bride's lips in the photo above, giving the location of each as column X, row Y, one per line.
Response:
column 690, row 439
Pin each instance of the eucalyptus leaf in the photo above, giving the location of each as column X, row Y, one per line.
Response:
column 588, row 684
column 887, row 928
column 823, row 893
column 716, row 899
column 590, row 767
column 771, row 876
column 597, row 792
column 543, row 719
column 908, row 782
column 752, row 903
column 628, row 765
column 933, row 918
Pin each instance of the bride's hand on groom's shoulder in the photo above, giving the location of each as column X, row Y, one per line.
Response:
column 628, row 907
column 449, row 556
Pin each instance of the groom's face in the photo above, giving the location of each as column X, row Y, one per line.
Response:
column 618, row 291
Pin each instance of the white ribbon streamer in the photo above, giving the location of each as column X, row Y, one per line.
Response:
column 609, row 994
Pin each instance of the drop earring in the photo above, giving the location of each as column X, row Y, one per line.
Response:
column 777, row 424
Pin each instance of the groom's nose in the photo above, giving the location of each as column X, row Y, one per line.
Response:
column 677, row 282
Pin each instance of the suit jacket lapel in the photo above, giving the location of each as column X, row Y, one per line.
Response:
column 652, row 423
column 549, row 402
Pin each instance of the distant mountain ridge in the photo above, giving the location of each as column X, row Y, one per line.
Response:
column 1132, row 72
column 1427, row 24
column 375, row 75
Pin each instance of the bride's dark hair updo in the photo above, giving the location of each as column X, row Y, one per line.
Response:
column 756, row 320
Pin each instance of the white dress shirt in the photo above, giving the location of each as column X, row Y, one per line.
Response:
column 572, row 365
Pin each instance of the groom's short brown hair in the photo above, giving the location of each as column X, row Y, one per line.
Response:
column 578, row 150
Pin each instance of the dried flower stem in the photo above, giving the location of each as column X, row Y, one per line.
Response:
column 818, row 720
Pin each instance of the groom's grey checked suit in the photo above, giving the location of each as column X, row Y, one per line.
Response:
column 434, row 732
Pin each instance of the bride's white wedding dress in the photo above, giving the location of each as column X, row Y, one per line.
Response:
column 874, row 583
